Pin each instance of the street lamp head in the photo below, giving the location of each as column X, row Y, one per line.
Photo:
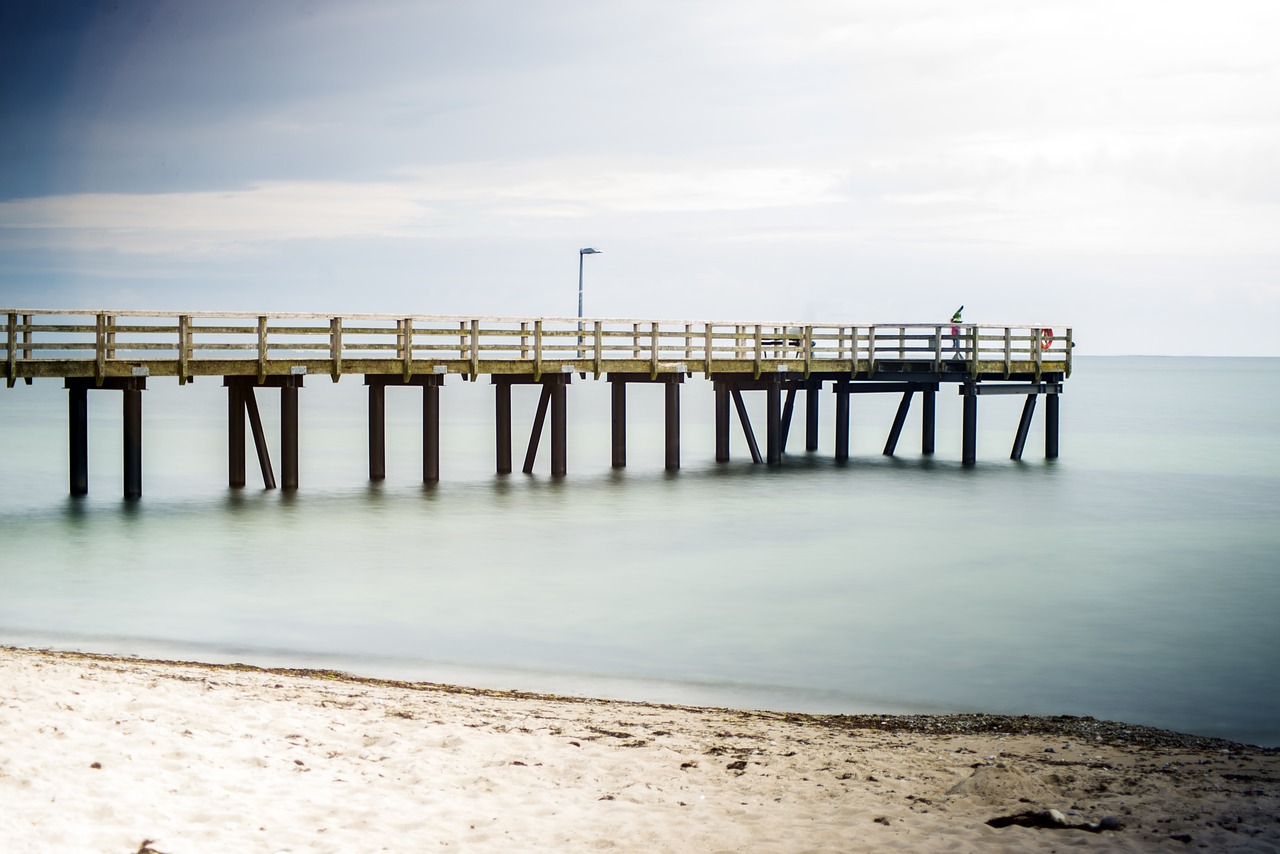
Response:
column 589, row 251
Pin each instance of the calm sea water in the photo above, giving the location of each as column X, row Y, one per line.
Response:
column 1135, row 578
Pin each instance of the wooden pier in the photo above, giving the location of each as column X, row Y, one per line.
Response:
column 122, row 350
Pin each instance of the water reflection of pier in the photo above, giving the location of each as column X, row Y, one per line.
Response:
column 121, row 351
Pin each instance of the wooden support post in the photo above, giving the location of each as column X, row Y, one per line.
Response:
column 289, row 437
column 1024, row 425
column 746, row 425
column 536, row 435
column 235, row 434
column 259, row 440
column 430, row 385
column 969, row 433
column 788, row 409
column 377, row 431
column 672, row 410
column 618, row 422
column 559, row 427
column 842, row 420
column 502, row 413
column 722, row 421
column 899, row 419
column 133, row 442
column 78, row 432
column 1051, row 427
column 812, row 392
column 242, row 403
column 773, row 434
column 928, row 420
column 431, row 432
column 11, row 351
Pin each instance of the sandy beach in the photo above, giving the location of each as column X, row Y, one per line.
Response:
column 107, row 754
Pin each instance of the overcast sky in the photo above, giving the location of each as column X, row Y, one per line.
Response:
column 1113, row 166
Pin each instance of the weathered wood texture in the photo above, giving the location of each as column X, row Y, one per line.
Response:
column 106, row 344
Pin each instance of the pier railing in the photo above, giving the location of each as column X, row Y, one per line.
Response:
column 101, row 344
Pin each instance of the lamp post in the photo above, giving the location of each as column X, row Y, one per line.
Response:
column 582, row 253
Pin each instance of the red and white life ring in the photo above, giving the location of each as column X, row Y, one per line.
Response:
column 1046, row 339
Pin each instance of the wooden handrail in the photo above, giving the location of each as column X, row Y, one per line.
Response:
column 103, row 343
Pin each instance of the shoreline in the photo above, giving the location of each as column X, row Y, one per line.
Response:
column 1115, row 733
column 111, row 753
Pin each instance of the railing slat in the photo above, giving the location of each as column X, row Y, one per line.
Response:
column 598, row 343
column 184, row 347
column 100, row 350
column 475, row 349
column 759, row 351
column 111, row 338
column 262, row 348
column 537, row 350
column 335, row 347
column 653, row 351
column 11, row 366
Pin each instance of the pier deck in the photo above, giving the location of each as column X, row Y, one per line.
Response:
column 122, row 344
column 120, row 350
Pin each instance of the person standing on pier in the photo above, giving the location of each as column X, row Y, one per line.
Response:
column 955, row 331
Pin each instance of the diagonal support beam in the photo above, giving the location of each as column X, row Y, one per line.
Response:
column 1024, row 425
column 904, row 406
column 242, row 405
column 259, row 438
column 745, row 420
column 788, row 408
column 536, row 436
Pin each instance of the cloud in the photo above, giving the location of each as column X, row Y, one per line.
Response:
column 607, row 187
column 423, row 205
column 187, row 223
column 719, row 147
